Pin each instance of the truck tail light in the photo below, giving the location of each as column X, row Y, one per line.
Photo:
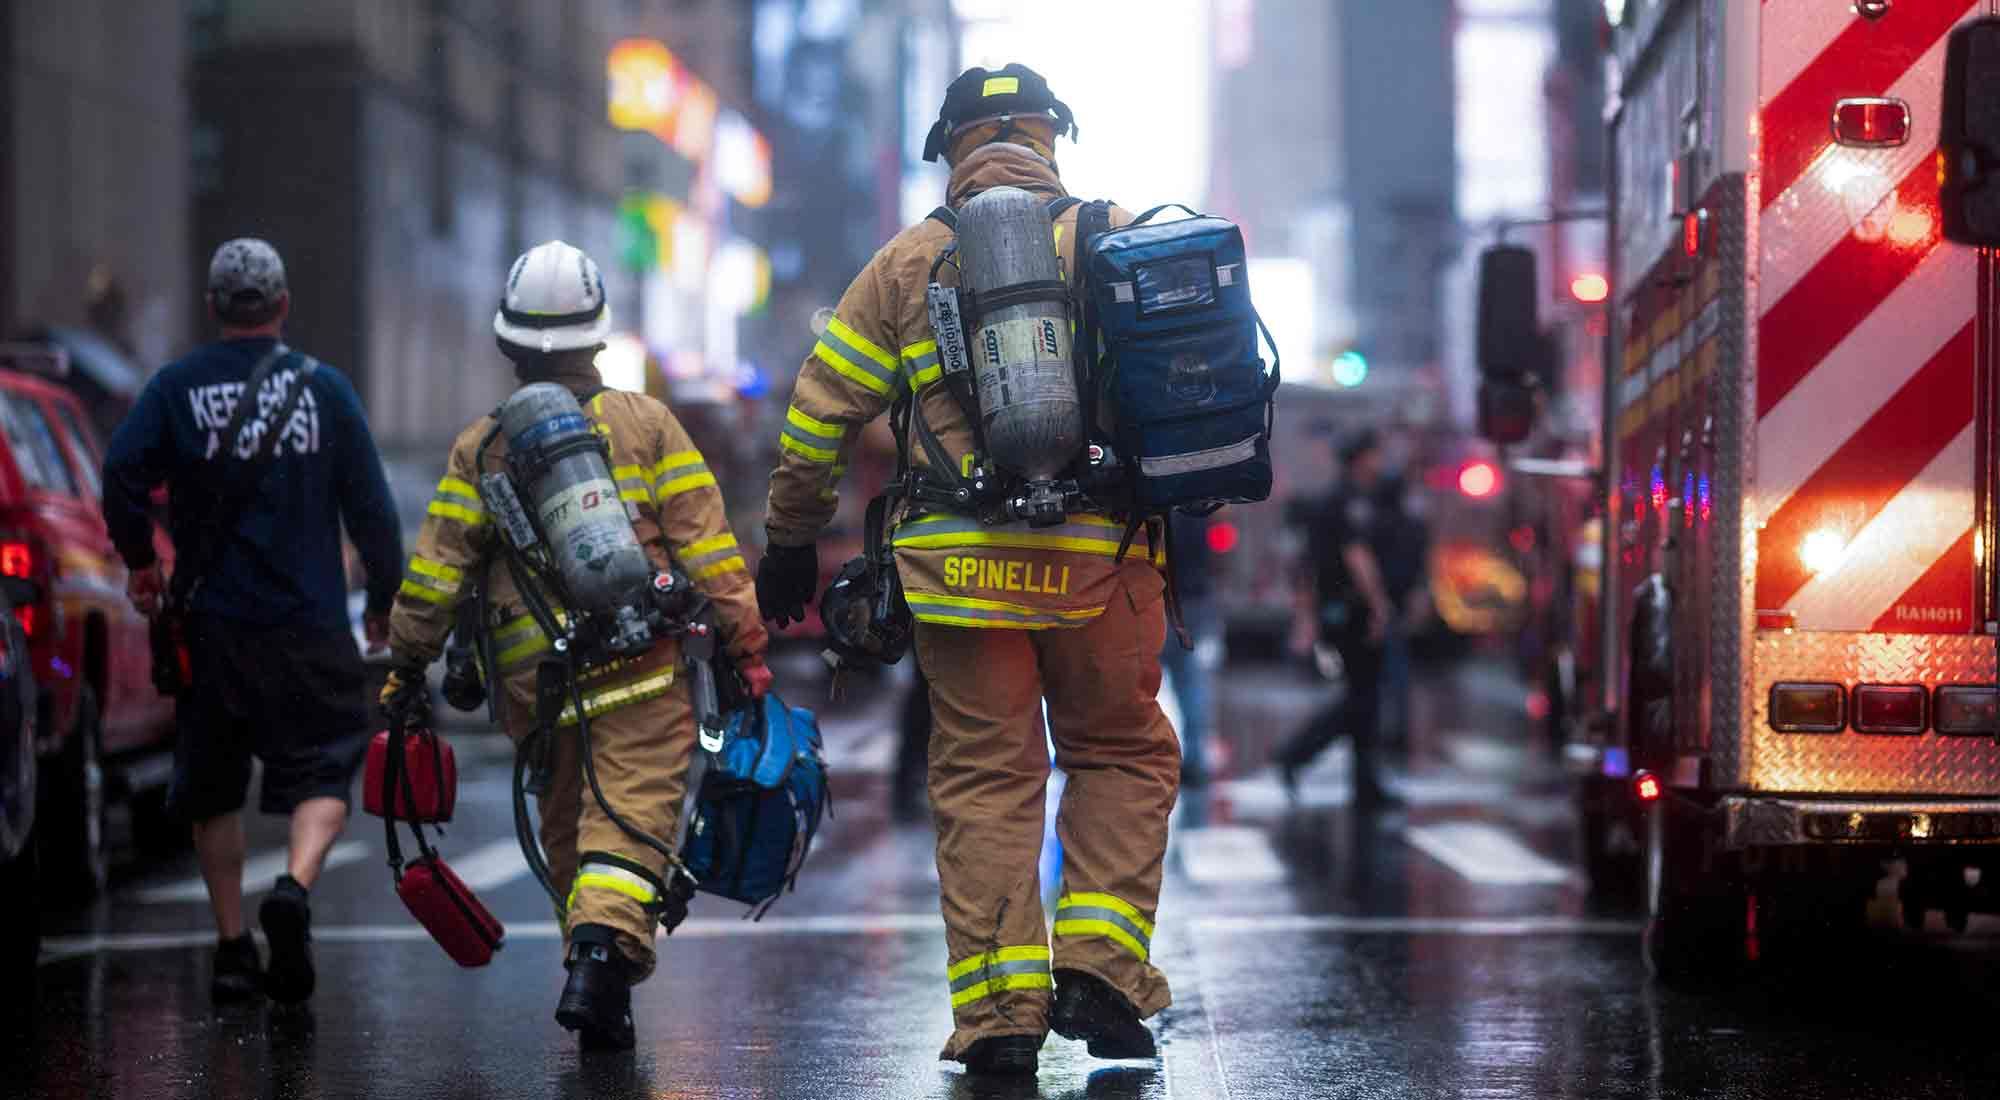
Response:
column 18, row 559
column 1646, row 787
column 1889, row 708
column 1871, row 123
column 1808, row 708
column 1968, row 709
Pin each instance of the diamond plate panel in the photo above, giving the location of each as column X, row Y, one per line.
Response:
column 1857, row 763
column 1730, row 607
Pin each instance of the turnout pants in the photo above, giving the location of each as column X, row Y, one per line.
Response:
column 642, row 753
column 989, row 767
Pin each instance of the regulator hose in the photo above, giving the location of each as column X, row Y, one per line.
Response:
column 524, row 833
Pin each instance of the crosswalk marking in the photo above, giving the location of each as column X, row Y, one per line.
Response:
column 259, row 872
column 491, row 865
column 1486, row 854
column 1234, row 854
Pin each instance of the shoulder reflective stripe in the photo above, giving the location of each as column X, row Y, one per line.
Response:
column 597, row 404
column 435, row 569
column 819, row 456
column 1108, row 901
column 684, row 484
column 598, row 702
column 969, row 965
column 840, row 330
column 868, row 377
column 415, row 590
column 732, row 564
column 454, row 487
column 459, row 512
column 820, row 428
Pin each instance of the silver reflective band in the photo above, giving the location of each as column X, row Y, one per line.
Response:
column 997, row 970
column 1226, row 274
column 1195, row 462
column 1121, row 292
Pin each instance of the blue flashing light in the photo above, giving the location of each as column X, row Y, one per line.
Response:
column 1350, row 368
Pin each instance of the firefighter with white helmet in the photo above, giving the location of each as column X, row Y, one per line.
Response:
column 1007, row 614
column 637, row 717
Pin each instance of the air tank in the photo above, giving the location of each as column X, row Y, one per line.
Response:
column 1020, row 352
column 568, row 486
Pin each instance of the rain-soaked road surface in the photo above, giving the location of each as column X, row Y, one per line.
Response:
column 1444, row 950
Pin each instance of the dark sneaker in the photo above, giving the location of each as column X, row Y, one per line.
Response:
column 239, row 975
column 1088, row 1010
column 1003, row 1056
column 287, row 921
column 596, row 1002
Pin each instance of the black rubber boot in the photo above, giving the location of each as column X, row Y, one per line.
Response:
column 1003, row 1056
column 1089, row 1010
column 596, row 1002
column 287, row 921
column 239, row 975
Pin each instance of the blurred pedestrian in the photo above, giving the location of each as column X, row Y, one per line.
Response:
column 1188, row 670
column 1351, row 609
column 637, row 718
column 1402, row 545
column 259, row 589
column 1075, row 627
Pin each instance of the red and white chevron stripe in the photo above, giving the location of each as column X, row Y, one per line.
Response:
column 1865, row 335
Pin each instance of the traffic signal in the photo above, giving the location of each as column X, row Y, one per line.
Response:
column 1350, row 368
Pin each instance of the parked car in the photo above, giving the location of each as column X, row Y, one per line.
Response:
column 103, row 733
column 20, row 918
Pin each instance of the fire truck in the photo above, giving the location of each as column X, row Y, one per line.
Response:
column 1799, row 480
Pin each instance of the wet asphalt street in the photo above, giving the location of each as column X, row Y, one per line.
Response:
column 1443, row 950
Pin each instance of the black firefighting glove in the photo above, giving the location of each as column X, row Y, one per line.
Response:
column 785, row 581
column 406, row 698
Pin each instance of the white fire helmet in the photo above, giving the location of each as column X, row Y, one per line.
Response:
column 554, row 301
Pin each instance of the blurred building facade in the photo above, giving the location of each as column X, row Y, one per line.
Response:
column 93, row 172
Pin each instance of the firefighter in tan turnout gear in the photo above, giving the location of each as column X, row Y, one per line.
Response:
column 551, row 323
column 1007, row 616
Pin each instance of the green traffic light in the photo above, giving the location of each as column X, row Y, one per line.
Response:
column 1350, row 368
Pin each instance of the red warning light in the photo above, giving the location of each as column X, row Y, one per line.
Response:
column 1694, row 232
column 1590, row 288
column 1222, row 537
column 1646, row 785
column 1478, row 480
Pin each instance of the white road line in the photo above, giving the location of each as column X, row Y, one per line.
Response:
column 59, row 948
column 491, row 865
column 1229, row 854
column 258, row 875
column 1486, row 854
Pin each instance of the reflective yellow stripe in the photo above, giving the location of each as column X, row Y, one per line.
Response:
column 1102, row 928
column 733, row 564
column 1001, row 984
column 921, row 361
column 452, row 486
column 860, row 343
column 1002, row 605
column 636, row 496
column 435, row 569
column 820, row 428
column 683, row 484
column 459, row 512
column 963, row 967
column 1007, row 541
column 628, row 473
column 819, row 455
column 709, row 545
column 673, row 461
column 417, row 591
column 596, row 703
column 1107, row 901
column 840, row 364
column 516, row 653
column 638, row 892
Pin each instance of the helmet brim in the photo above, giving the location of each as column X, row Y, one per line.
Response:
column 560, row 338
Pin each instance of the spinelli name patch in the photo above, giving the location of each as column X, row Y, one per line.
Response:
column 1006, row 576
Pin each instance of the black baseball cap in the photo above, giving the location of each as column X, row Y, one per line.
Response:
column 978, row 93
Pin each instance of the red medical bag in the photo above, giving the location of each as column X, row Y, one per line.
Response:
column 446, row 907
column 427, row 780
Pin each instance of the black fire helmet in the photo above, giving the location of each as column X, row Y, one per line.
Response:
column 981, row 94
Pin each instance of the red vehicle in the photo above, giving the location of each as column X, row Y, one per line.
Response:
column 104, row 731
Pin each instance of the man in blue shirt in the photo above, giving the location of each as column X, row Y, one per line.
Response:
column 273, row 670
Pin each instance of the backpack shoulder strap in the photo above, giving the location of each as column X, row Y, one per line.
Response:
column 945, row 216
column 1060, row 206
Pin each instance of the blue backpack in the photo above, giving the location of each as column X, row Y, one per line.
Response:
column 1179, row 377
column 760, row 802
